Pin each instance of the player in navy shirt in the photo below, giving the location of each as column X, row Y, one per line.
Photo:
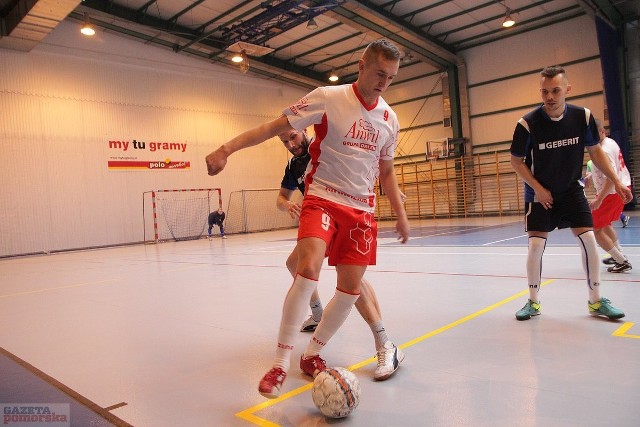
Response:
column 547, row 153
column 216, row 218
column 293, row 178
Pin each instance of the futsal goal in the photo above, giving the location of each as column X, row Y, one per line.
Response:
column 253, row 210
column 179, row 214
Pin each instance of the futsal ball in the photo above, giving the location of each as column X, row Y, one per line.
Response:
column 336, row 392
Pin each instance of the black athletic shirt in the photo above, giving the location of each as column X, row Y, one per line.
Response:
column 554, row 149
column 216, row 218
column 294, row 173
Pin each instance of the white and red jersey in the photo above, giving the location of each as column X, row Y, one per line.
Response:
column 350, row 140
column 614, row 155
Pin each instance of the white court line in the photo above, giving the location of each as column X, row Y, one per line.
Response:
column 472, row 253
column 524, row 253
column 503, row 240
column 444, row 233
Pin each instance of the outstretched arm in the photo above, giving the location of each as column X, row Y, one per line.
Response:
column 217, row 160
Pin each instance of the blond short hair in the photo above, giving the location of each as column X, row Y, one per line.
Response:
column 381, row 47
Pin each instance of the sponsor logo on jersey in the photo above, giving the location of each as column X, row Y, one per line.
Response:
column 559, row 143
column 300, row 105
column 362, row 134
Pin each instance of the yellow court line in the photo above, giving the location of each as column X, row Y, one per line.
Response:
column 622, row 331
column 248, row 414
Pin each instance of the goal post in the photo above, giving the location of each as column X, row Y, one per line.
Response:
column 254, row 210
column 178, row 214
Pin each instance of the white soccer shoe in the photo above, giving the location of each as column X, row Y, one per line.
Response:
column 389, row 361
column 309, row 325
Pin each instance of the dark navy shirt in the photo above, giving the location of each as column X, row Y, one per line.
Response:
column 216, row 218
column 294, row 173
column 554, row 149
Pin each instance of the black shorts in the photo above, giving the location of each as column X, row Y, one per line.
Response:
column 570, row 210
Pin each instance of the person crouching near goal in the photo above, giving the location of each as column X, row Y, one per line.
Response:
column 217, row 218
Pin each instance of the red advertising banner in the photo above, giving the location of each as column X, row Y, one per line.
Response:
column 147, row 165
column 147, row 156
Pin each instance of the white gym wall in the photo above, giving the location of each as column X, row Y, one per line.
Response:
column 571, row 43
column 64, row 101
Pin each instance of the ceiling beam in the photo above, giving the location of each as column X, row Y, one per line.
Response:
column 28, row 22
column 368, row 18
column 609, row 12
column 208, row 48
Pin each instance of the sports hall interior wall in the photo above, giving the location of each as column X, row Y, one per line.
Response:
column 63, row 102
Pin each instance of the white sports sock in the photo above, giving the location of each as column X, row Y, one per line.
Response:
column 293, row 313
column 534, row 265
column 379, row 334
column 316, row 310
column 333, row 317
column 617, row 255
column 590, row 263
column 616, row 244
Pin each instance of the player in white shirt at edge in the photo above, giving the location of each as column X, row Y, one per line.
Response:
column 608, row 205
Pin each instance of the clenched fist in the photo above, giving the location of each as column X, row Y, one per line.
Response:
column 216, row 161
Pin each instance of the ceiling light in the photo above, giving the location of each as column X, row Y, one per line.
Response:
column 87, row 28
column 407, row 57
column 242, row 50
column 242, row 59
column 239, row 56
column 333, row 77
column 312, row 24
column 508, row 20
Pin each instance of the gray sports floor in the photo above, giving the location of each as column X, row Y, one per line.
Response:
column 179, row 334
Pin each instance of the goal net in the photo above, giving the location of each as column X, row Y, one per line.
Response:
column 179, row 214
column 255, row 210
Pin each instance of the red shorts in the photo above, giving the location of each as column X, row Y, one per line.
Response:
column 608, row 212
column 350, row 234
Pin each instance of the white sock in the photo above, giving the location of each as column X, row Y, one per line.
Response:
column 590, row 263
column 616, row 245
column 379, row 334
column 617, row 255
column 333, row 317
column 316, row 310
column 534, row 265
column 293, row 313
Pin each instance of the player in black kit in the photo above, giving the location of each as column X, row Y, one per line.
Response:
column 547, row 153
column 216, row 218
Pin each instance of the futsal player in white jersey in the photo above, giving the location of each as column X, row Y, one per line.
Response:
column 389, row 356
column 608, row 205
column 356, row 135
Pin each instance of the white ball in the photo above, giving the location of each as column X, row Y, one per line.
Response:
column 336, row 392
